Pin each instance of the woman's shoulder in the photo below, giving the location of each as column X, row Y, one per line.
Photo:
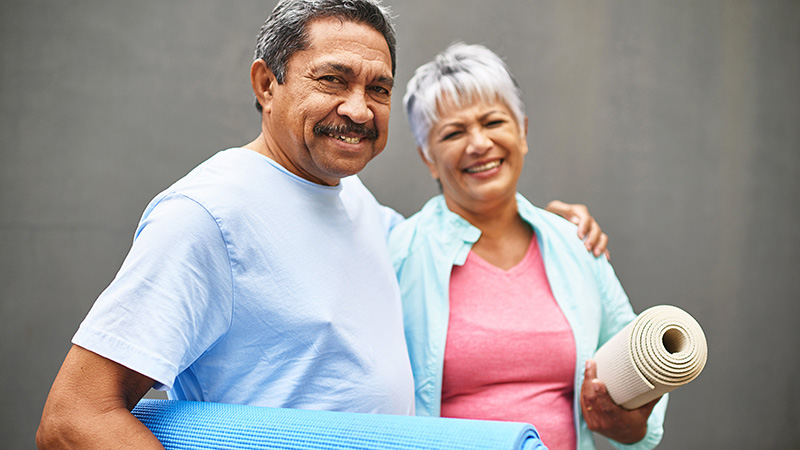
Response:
column 413, row 230
column 543, row 219
column 555, row 232
column 433, row 232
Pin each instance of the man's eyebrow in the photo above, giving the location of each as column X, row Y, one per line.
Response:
column 386, row 80
column 335, row 67
column 347, row 70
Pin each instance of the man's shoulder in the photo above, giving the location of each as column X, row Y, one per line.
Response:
column 230, row 177
column 214, row 188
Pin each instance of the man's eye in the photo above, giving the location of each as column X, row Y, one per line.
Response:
column 380, row 90
column 329, row 79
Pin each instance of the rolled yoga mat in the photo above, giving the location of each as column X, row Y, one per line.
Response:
column 205, row 425
column 661, row 350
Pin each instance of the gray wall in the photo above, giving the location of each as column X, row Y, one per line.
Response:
column 675, row 121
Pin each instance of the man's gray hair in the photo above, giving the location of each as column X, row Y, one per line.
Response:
column 284, row 31
column 462, row 74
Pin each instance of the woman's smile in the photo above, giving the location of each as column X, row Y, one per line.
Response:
column 484, row 167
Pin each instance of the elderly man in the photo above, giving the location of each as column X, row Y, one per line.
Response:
column 262, row 277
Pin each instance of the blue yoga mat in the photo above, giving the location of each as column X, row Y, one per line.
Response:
column 205, row 425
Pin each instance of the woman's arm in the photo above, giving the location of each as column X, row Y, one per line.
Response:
column 603, row 416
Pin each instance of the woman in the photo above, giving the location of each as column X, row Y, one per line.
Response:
column 503, row 305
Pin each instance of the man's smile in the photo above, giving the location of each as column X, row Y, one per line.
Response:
column 351, row 133
column 348, row 139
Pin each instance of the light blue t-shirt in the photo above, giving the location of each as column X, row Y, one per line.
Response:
column 247, row 284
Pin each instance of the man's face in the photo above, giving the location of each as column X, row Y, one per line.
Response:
column 331, row 115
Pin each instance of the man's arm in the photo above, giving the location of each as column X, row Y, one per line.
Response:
column 89, row 406
column 588, row 229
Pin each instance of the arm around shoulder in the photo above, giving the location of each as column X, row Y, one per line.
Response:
column 89, row 406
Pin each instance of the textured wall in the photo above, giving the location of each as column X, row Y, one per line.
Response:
column 676, row 122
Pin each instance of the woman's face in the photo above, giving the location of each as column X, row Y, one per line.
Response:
column 477, row 152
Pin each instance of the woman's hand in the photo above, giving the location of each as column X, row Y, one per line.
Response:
column 588, row 229
column 603, row 416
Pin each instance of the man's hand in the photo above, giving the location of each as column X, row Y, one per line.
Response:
column 588, row 229
column 89, row 406
column 607, row 418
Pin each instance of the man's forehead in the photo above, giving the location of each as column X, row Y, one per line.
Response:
column 349, row 48
column 332, row 33
column 331, row 27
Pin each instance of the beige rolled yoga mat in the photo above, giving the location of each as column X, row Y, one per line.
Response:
column 661, row 350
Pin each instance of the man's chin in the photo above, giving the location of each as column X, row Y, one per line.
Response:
column 350, row 170
column 346, row 164
column 330, row 174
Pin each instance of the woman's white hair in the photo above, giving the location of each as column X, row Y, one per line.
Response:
column 462, row 74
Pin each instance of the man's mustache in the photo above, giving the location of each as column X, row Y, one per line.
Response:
column 349, row 127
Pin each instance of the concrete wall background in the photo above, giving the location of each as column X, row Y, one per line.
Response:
column 676, row 122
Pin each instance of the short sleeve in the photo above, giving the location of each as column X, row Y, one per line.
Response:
column 172, row 298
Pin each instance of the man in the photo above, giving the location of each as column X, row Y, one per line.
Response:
column 262, row 277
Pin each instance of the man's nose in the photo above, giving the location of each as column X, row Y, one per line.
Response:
column 355, row 107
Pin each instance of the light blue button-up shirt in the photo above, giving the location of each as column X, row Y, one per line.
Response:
column 424, row 249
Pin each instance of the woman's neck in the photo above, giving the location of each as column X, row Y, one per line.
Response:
column 505, row 237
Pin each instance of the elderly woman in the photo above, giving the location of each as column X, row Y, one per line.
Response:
column 503, row 305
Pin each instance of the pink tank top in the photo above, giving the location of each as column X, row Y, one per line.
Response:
column 510, row 353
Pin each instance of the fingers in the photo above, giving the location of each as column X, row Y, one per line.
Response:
column 579, row 215
column 601, row 246
column 592, row 237
column 602, row 415
column 596, row 241
column 591, row 369
column 589, row 393
column 594, row 390
column 599, row 410
column 560, row 208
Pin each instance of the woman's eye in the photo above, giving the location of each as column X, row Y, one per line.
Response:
column 451, row 135
column 495, row 123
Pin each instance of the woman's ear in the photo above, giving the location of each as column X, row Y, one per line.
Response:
column 429, row 163
column 525, row 137
column 263, row 81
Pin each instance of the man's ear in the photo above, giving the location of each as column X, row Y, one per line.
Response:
column 263, row 81
column 429, row 163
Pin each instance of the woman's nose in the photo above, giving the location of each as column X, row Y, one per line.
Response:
column 479, row 142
